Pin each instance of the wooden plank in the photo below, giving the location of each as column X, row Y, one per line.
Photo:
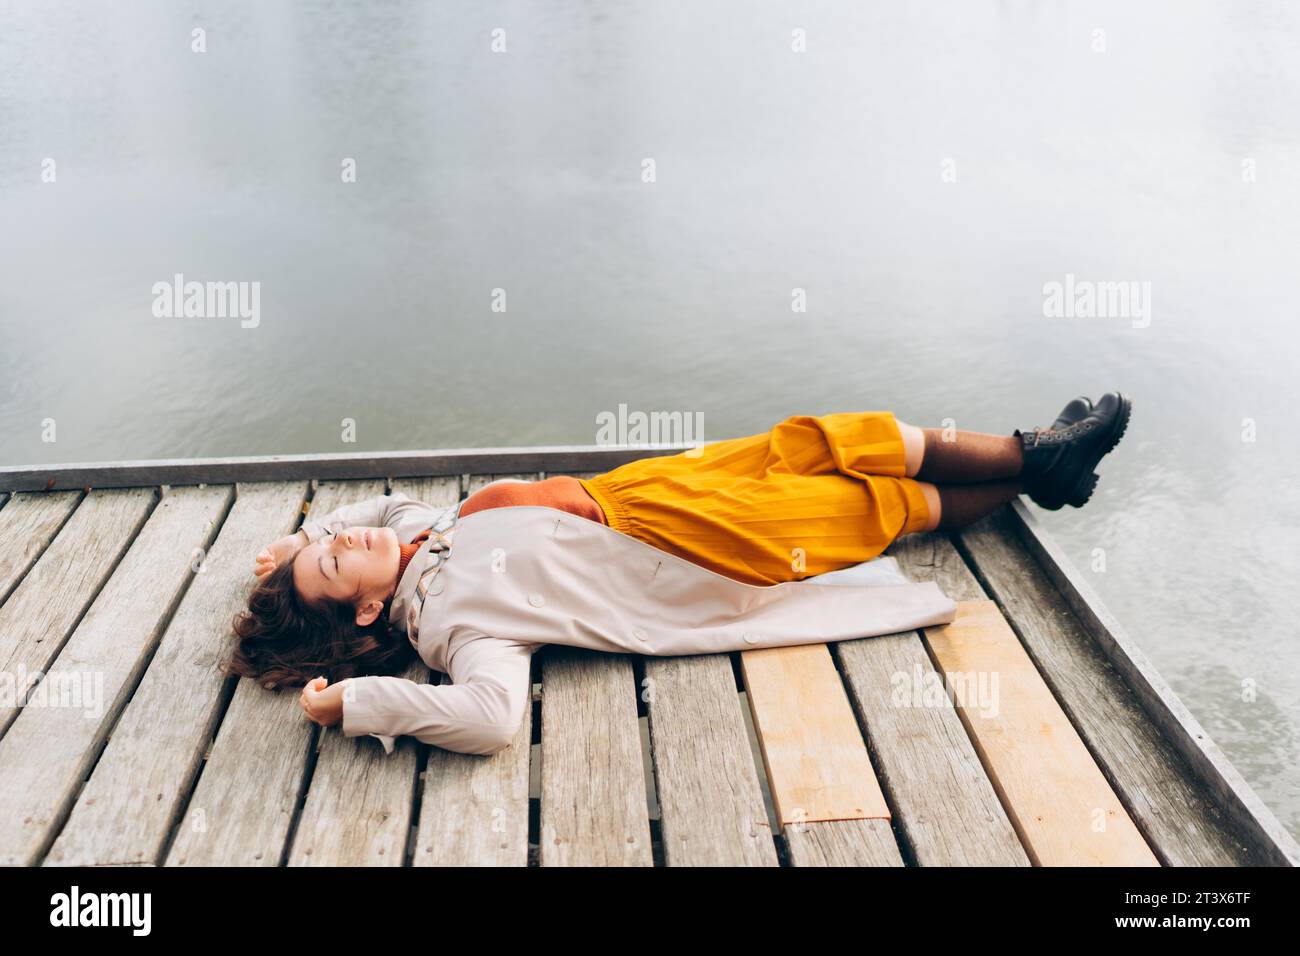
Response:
column 829, row 804
column 817, row 763
column 51, row 745
column 561, row 459
column 588, row 709
column 945, row 810
column 707, row 784
column 359, row 809
column 842, row 843
column 709, row 791
column 138, row 789
column 1058, row 799
column 54, row 594
column 701, row 763
column 246, row 799
column 473, row 808
column 28, row 523
column 474, row 482
column 1134, row 734
column 593, row 791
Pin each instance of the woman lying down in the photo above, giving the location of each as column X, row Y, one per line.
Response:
column 714, row 550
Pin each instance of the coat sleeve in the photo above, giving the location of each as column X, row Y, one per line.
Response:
column 479, row 713
column 382, row 511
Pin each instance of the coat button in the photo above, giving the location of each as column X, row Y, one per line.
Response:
column 536, row 600
column 639, row 634
column 437, row 584
column 751, row 637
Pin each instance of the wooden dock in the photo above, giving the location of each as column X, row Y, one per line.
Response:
column 1031, row 731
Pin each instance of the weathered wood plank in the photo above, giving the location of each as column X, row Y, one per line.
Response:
column 28, row 523
column 709, row 791
column 842, row 843
column 126, row 810
column 474, row 482
column 44, row 608
column 246, row 799
column 49, row 748
column 710, row 797
column 359, row 809
column 560, row 459
column 1185, row 819
column 1057, row 798
column 593, row 793
column 586, row 698
column 817, row 763
column 945, row 810
column 473, row 808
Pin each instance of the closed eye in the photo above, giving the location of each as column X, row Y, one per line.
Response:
column 334, row 534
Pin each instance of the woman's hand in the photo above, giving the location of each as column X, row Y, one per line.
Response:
column 321, row 703
column 276, row 553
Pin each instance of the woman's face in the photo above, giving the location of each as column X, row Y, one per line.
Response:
column 356, row 566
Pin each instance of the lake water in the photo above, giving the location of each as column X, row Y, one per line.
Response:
column 920, row 171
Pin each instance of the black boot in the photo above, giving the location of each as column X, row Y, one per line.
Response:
column 1073, row 412
column 1059, row 461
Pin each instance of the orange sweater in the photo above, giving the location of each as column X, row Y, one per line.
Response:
column 558, row 491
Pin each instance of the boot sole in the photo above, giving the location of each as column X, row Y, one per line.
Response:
column 1084, row 488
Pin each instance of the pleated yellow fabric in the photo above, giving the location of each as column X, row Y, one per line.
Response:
column 814, row 494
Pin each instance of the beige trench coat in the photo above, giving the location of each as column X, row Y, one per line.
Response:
column 519, row 578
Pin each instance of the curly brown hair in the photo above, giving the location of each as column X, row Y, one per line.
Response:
column 284, row 640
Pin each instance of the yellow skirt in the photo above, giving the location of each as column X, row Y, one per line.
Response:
column 814, row 494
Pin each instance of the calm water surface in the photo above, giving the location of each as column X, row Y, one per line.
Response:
column 1173, row 157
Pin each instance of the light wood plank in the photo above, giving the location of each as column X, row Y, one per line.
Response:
column 43, row 609
column 817, row 763
column 50, row 746
column 28, row 523
column 707, row 783
column 829, row 804
column 1058, row 800
column 1186, row 822
column 246, row 799
column 138, row 789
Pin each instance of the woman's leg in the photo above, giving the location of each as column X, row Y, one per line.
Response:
column 955, row 506
column 814, row 494
column 932, row 499
column 936, row 455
